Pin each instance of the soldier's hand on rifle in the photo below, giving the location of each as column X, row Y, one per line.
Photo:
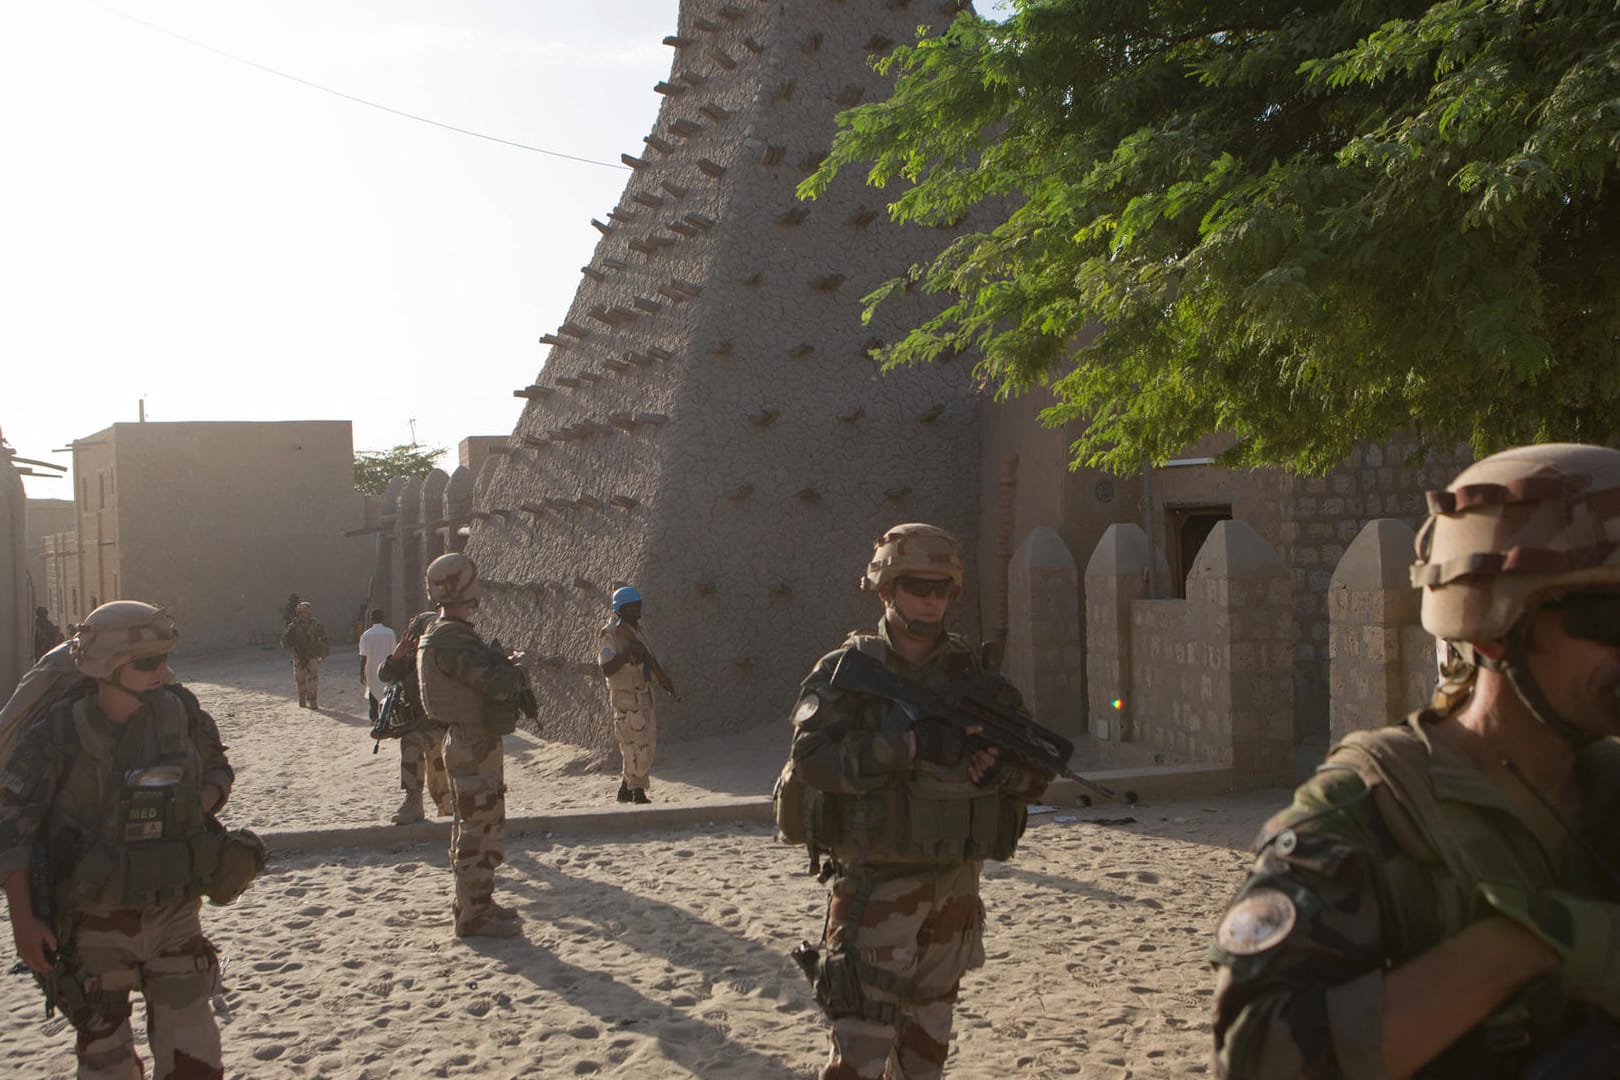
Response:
column 517, row 657
column 669, row 687
column 985, row 766
column 34, row 942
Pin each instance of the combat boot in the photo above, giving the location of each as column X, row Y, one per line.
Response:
column 639, row 797
column 301, row 700
column 410, row 810
column 624, row 792
column 312, row 704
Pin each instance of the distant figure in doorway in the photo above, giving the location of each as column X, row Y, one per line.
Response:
column 306, row 637
column 629, row 667
column 46, row 635
column 376, row 645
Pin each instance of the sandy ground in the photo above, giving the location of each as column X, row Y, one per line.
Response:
column 656, row 954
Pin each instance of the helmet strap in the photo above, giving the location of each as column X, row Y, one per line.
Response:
column 1515, row 667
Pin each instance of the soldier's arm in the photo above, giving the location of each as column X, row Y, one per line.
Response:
column 1303, row 990
column 613, row 658
column 26, row 786
column 216, row 767
column 830, row 752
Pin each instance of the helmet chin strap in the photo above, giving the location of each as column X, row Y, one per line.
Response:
column 923, row 628
column 1514, row 665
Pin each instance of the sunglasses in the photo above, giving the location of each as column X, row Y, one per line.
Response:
column 149, row 663
column 922, row 587
column 1591, row 616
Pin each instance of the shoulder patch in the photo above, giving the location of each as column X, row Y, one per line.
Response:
column 1257, row 922
column 808, row 706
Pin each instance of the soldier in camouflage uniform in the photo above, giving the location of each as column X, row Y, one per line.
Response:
column 472, row 692
column 306, row 637
column 908, row 816
column 106, row 793
column 421, row 749
column 1440, row 899
column 628, row 665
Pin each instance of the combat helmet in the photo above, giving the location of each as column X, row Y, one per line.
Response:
column 120, row 631
column 625, row 594
column 1513, row 532
column 452, row 579
column 914, row 548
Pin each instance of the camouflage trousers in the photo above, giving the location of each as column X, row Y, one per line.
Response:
column 162, row 953
column 421, row 757
column 636, row 732
column 308, row 676
column 475, row 763
column 911, row 934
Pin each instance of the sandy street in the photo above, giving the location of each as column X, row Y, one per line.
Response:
column 655, row 954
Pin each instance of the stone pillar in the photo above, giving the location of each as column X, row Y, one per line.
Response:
column 1043, row 634
column 1116, row 577
column 16, row 616
column 1381, row 662
column 1242, row 620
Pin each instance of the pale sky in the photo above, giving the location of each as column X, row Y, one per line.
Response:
column 231, row 245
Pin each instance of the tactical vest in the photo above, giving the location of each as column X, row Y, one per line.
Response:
column 448, row 700
column 929, row 815
column 133, row 816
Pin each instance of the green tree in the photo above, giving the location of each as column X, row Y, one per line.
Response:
column 374, row 468
column 1302, row 222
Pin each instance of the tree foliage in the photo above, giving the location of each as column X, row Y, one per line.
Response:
column 374, row 468
column 1301, row 222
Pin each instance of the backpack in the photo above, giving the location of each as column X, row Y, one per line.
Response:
column 51, row 679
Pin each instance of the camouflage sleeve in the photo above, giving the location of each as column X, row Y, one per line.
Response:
column 26, row 788
column 1300, row 950
column 831, row 751
column 216, row 768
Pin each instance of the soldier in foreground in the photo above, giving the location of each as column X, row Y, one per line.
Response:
column 1440, row 898
column 108, row 844
column 629, row 667
column 472, row 690
column 306, row 637
column 421, row 740
column 908, row 812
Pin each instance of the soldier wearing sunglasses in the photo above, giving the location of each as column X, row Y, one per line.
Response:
column 908, row 809
column 108, row 845
column 1442, row 898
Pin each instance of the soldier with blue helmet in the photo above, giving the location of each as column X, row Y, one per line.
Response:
column 630, row 668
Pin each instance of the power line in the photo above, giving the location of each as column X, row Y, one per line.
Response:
column 350, row 97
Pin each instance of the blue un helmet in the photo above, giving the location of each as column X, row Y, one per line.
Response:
column 625, row 595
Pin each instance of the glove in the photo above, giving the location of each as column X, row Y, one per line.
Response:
column 938, row 741
column 1582, row 931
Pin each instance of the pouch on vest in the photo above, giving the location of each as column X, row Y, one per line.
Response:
column 500, row 717
column 240, row 858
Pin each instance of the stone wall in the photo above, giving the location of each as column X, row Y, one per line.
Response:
column 1206, row 679
column 709, row 425
column 1382, row 661
column 46, row 517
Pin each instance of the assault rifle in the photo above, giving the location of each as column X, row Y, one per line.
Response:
column 393, row 714
column 61, row 989
column 965, row 704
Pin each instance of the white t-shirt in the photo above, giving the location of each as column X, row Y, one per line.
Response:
column 376, row 644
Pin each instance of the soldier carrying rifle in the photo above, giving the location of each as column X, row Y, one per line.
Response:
column 908, row 806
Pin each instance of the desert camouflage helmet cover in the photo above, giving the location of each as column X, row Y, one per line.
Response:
column 452, row 579
column 914, row 548
column 1515, row 530
column 120, row 631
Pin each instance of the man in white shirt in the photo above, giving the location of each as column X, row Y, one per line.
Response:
column 376, row 645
